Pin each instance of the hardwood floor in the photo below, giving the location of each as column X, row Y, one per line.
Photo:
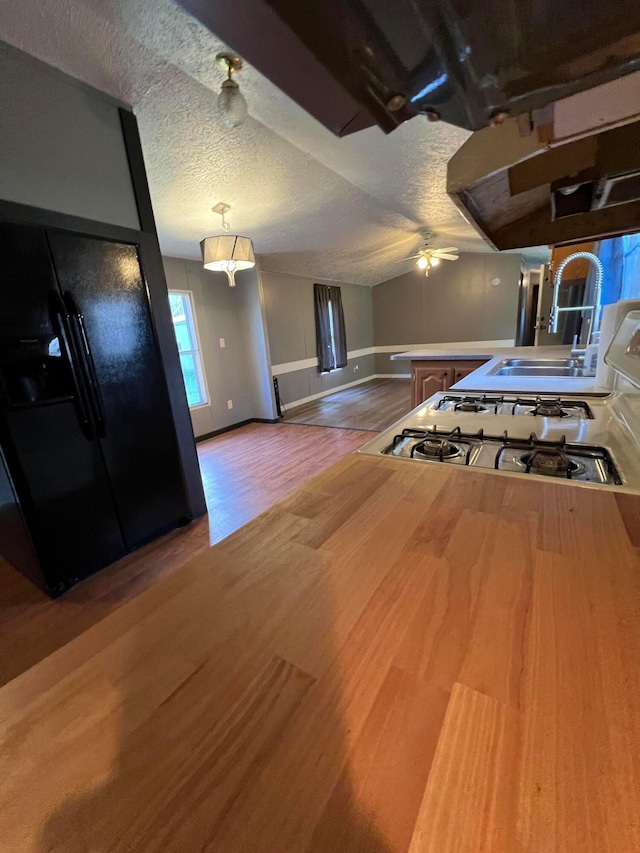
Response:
column 372, row 406
column 244, row 473
column 398, row 657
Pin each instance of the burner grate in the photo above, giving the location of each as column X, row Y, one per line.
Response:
column 540, row 457
column 548, row 407
column 440, row 445
column 471, row 403
column 551, row 408
column 554, row 457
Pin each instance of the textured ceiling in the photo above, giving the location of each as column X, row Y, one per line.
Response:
column 345, row 209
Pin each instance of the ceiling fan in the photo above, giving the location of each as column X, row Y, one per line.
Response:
column 429, row 257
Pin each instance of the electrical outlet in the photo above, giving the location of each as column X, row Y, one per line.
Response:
column 229, row 404
column 222, row 346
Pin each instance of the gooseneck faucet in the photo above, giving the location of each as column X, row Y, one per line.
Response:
column 595, row 308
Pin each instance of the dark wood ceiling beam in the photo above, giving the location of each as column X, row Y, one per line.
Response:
column 538, row 229
column 254, row 30
column 572, row 159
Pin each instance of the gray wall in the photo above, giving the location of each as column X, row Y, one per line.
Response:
column 239, row 371
column 291, row 329
column 253, row 328
column 62, row 150
column 62, row 145
column 458, row 302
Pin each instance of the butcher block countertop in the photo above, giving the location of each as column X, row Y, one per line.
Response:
column 399, row 657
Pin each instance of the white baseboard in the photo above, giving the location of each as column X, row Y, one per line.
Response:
column 303, row 364
column 326, row 393
column 445, row 345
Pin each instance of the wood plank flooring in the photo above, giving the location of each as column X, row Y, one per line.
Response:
column 397, row 657
column 244, row 471
column 374, row 405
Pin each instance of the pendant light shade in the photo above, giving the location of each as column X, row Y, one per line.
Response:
column 227, row 253
column 231, row 102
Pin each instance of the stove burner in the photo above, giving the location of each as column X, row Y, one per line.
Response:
column 469, row 406
column 436, row 448
column 550, row 463
column 549, row 409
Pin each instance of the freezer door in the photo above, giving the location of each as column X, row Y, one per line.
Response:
column 64, row 493
column 55, row 464
column 106, row 295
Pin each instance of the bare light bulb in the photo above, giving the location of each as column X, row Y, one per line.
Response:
column 232, row 104
column 422, row 263
column 435, row 262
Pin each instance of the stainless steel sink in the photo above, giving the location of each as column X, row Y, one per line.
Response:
column 575, row 372
column 542, row 362
column 562, row 367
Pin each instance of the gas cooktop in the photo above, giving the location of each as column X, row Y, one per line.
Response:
column 532, row 455
column 545, row 407
column 569, row 440
column 564, row 438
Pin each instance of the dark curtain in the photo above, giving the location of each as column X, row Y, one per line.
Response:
column 332, row 353
column 339, row 330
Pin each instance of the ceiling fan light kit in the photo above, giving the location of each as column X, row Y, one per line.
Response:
column 427, row 257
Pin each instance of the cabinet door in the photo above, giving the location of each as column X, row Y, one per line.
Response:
column 461, row 372
column 428, row 381
column 464, row 369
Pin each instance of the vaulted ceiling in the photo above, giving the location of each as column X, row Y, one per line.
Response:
column 346, row 209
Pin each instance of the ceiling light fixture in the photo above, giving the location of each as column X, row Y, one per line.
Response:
column 429, row 258
column 227, row 252
column 231, row 102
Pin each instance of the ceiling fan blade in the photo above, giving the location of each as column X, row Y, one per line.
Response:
column 447, row 257
column 412, row 257
column 446, row 249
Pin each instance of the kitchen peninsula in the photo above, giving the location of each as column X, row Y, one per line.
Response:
column 441, row 368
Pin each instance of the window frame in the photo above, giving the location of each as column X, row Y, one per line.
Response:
column 197, row 353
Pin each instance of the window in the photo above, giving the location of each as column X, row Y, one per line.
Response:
column 187, row 337
column 620, row 257
column 330, row 329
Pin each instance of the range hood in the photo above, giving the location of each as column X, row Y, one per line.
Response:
column 356, row 63
column 560, row 175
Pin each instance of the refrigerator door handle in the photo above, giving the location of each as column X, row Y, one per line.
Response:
column 60, row 322
column 89, row 367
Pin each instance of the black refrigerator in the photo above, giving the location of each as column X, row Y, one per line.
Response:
column 89, row 463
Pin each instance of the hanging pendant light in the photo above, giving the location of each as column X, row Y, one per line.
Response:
column 227, row 252
column 231, row 102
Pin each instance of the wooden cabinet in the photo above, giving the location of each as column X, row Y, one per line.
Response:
column 427, row 380
column 431, row 377
column 463, row 369
column 576, row 269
